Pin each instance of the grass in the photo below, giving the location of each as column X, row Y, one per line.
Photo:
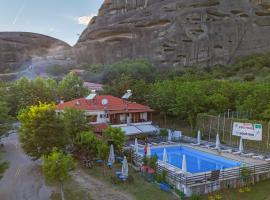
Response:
column 140, row 189
column 260, row 191
column 3, row 165
column 72, row 191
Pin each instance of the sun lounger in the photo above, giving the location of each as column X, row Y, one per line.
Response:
column 236, row 152
column 226, row 150
column 260, row 157
column 247, row 154
column 208, row 146
column 267, row 159
column 195, row 144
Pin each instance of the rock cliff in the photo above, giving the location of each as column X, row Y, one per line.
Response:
column 173, row 33
column 17, row 48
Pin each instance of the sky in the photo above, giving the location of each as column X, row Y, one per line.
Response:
column 62, row 19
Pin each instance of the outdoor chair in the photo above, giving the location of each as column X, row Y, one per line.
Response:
column 165, row 187
column 267, row 159
column 226, row 150
column 195, row 144
column 259, row 157
column 247, row 154
column 236, row 152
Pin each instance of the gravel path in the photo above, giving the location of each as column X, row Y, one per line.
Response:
column 97, row 189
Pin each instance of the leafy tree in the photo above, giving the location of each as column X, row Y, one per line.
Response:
column 56, row 168
column 41, row 130
column 87, row 143
column 5, row 118
column 71, row 87
column 116, row 136
column 103, row 152
column 75, row 122
column 24, row 92
column 130, row 68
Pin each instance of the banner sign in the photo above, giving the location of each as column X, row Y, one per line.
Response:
column 247, row 131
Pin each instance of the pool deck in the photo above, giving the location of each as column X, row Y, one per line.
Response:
column 237, row 158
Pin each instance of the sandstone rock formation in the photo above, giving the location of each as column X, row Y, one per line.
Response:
column 17, row 48
column 173, row 33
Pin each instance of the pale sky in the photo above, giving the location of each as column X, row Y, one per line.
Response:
column 62, row 19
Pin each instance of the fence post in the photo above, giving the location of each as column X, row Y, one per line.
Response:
column 230, row 132
column 267, row 143
column 223, row 130
column 209, row 136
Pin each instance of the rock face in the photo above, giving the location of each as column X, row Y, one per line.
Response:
column 17, row 48
column 173, row 33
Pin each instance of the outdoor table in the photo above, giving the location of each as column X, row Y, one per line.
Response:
column 109, row 165
column 123, row 178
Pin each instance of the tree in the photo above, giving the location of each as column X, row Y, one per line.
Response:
column 5, row 118
column 75, row 122
column 103, row 152
column 116, row 136
column 24, row 92
column 86, row 142
column 41, row 130
column 71, row 87
column 56, row 168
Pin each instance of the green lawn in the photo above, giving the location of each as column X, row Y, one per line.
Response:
column 140, row 189
column 260, row 191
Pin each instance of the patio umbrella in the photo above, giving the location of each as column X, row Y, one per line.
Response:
column 217, row 141
column 165, row 156
column 199, row 137
column 148, row 152
column 169, row 135
column 241, row 146
column 125, row 167
column 136, row 147
column 184, row 164
column 111, row 158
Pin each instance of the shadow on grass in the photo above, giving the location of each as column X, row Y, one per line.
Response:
column 72, row 191
column 138, row 188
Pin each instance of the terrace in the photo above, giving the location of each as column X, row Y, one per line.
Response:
column 252, row 168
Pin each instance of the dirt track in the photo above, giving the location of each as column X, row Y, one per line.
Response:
column 99, row 190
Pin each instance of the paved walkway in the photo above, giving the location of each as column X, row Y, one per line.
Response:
column 23, row 179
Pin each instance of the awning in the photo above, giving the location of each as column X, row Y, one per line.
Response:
column 147, row 128
column 138, row 129
column 131, row 130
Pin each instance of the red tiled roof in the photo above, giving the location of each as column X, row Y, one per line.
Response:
column 99, row 128
column 115, row 105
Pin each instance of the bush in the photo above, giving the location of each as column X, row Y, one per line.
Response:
column 195, row 197
column 152, row 162
column 180, row 193
column 164, row 132
column 249, row 77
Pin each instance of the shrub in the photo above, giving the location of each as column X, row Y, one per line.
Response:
column 195, row 197
column 180, row 193
column 152, row 162
column 164, row 132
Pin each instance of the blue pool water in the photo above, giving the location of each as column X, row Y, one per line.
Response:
column 197, row 161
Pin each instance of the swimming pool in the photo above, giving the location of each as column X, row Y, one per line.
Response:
column 197, row 161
